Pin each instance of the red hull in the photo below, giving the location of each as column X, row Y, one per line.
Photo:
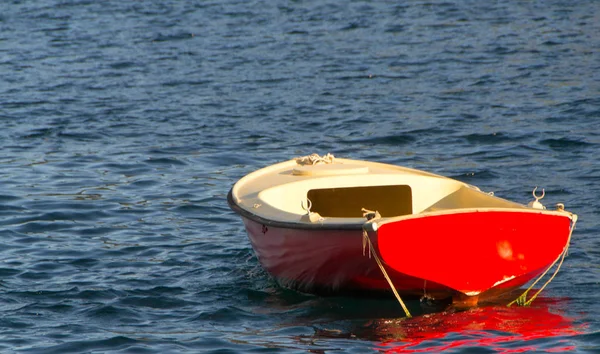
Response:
column 441, row 255
column 475, row 251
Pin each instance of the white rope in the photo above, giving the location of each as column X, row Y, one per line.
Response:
column 385, row 275
column 522, row 300
column 315, row 159
column 371, row 217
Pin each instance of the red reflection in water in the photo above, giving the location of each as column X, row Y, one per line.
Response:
column 491, row 327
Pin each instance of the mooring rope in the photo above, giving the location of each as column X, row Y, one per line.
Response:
column 315, row 159
column 522, row 299
column 372, row 216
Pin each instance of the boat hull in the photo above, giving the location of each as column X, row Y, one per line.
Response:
column 431, row 256
column 473, row 251
column 327, row 262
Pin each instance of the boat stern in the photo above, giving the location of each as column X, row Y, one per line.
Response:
column 475, row 251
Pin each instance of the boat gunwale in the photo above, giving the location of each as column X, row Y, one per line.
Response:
column 302, row 225
column 289, row 224
column 524, row 209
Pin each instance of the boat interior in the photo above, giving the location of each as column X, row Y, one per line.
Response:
column 390, row 194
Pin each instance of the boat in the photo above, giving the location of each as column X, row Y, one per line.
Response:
column 334, row 226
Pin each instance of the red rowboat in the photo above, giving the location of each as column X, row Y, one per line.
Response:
column 431, row 235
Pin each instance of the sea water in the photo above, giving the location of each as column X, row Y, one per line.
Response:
column 123, row 125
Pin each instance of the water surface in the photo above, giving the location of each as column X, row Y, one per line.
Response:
column 124, row 124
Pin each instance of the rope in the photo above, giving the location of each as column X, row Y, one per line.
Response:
column 522, row 299
column 366, row 239
column 372, row 216
column 315, row 159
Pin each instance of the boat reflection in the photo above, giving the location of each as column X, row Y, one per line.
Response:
column 542, row 327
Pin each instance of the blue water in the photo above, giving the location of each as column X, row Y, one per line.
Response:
column 125, row 123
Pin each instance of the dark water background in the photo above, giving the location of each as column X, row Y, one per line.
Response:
column 123, row 124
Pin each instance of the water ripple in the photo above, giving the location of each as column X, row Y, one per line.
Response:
column 124, row 125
